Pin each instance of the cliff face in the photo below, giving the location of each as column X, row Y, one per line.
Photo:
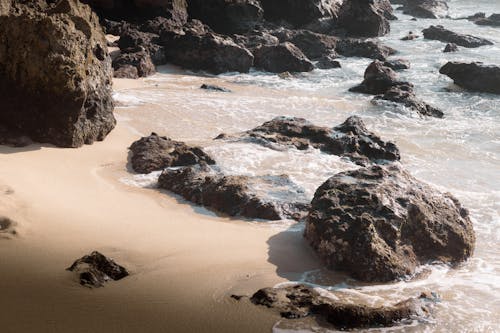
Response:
column 55, row 73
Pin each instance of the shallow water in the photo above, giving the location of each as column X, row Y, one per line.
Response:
column 459, row 154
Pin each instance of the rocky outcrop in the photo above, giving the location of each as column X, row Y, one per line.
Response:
column 432, row 9
column 438, row 32
column 154, row 152
column 133, row 65
column 96, row 269
column 382, row 81
column 474, row 76
column 194, row 46
column 363, row 48
column 365, row 18
column 227, row 16
column 350, row 139
column 55, row 74
column 380, row 223
column 263, row 197
column 299, row 12
column 284, row 57
column 298, row 301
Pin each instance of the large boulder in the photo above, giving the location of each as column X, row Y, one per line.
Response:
column 380, row 223
column 133, row 65
column 350, row 139
column 474, row 76
column 438, row 32
column 313, row 45
column 264, row 197
column 131, row 40
column 227, row 16
column 285, row 57
column 154, row 152
column 194, row 46
column 300, row 12
column 431, row 9
column 363, row 48
column 365, row 18
column 55, row 74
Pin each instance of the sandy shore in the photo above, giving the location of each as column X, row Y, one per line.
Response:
column 184, row 264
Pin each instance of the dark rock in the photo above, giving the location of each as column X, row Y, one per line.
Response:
column 365, row 18
column 380, row 223
column 95, row 269
column 214, row 88
column 312, row 44
column 378, row 79
column 263, row 197
column 154, row 152
column 282, row 58
column 492, row 20
column 125, row 63
column 410, row 36
column 55, row 74
column 350, row 139
column 363, row 49
column 298, row 301
column 115, row 28
column 13, row 138
column 327, row 63
column 227, row 16
column 194, row 46
column 256, row 39
column 438, row 32
column 299, row 12
column 397, row 64
column 474, row 76
column 7, row 226
column 432, row 9
column 451, row 47
column 132, row 40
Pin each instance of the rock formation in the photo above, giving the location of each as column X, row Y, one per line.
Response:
column 438, row 32
column 474, row 76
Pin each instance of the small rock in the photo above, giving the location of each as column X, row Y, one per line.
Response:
column 214, row 88
column 95, row 269
column 410, row 36
column 397, row 64
column 451, row 47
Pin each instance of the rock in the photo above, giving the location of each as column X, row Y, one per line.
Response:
column 350, row 139
column 55, row 74
column 365, row 18
column 474, row 76
column 363, row 49
column 438, row 32
column 410, row 36
column 13, row 138
column 313, row 45
column 132, row 40
column 255, row 39
column 214, row 88
column 298, row 301
column 451, row 47
column 492, row 20
column 263, row 197
column 382, row 81
column 327, row 63
column 379, row 223
column 299, row 12
column 432, row 9
column 116, row 28
column 95, row 269
column 7, row 226
column 397, row 64
column 125, row 64
column 227, row 16
column 195, row 47
column 282, row 58
column 154, row 152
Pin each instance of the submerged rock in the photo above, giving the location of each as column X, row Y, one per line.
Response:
column 55, row 74
column 350, row 139
column 450, row 47
column 264, row 197
column 214, row 88
column 397, row 64
column 154, row 152
column 432, row 9
column 474, row 76
column 380, row 223
column 284, row 57
column 438, row 32
column 410, row 36
column 300, row 301
column 95, row 269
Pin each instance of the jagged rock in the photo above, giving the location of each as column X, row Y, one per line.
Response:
column 410, row 36
column 450, row 47
column 133, row 65
column 132, row 40
column 115, row 28
column 227, row 16
column 154, row 152
column 263, row 197
column 7, row 226
column 379, row 223
column 397, row 64
column 195, row 47
column 432, row 9
column 365, row 18
column 284, row 57
column 438, row 32
column 298, row 301
column 299, row 12
column 95, row 269
column 474, row 76
column 382, row 81
column 256, row 39
column 214, row 88
column 55, row 74
column 313, row 45
column 350, row 139
column 363, row 48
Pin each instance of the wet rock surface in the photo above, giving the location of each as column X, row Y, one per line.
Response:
column 432, row 9
column 285, row 57
column 350, row 139
column 262, row 197
column 397, row 64
column 154, row 152
column 379, row 223
column 55, row 74
column 438, row 32
column 298, row 301
column 474, row 76
column 211, row 87
column 95, row 269
column 363, row 48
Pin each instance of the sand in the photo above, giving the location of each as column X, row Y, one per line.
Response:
column 185, row 262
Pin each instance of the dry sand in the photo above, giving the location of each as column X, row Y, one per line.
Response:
column 184, row 263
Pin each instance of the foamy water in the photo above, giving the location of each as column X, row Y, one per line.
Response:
column 459, row 154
